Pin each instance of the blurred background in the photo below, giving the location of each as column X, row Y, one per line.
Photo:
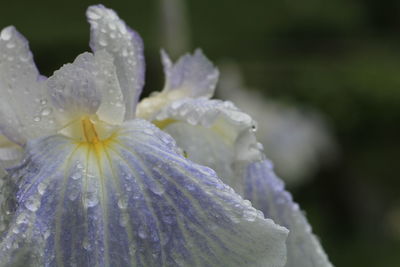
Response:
column 326, row 70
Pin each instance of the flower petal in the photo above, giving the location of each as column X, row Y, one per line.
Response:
column 267, row 192
column 194, row 75
column 87, row 86
column 112, row 108
column 212, row 133
column 109, row 32
column 73, row 88
column 24, row 110
column 218, row 135
column 132, row 200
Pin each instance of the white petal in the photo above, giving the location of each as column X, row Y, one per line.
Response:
column 112, row 108
column 87, row 86
column 212, row 133
column 218, row 135
column 73, row 88
column 24, row 110
column 109, row 32
column 133, row 201
column 194, row 75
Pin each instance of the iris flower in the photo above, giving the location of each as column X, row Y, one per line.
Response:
column 97, row 179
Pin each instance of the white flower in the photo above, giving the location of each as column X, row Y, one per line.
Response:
column 99, row 185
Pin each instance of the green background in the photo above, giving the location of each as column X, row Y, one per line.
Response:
column 341, row 57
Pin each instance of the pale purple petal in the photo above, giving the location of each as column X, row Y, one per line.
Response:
column 133, row 202
column 267, row 193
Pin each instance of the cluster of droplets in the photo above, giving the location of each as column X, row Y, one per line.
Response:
column 45, row 111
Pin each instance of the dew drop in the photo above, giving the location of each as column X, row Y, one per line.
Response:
column 24, row 58
column 79, row 165
column 132, row 249
column 10, row 45
column 41, row 188
column 46, row 112
column 86, row 245
column 6, row 34
column 142, row 232
column 36, row 118
column 73, row 195
column 92, row 15
column 91, row 199
column 250, row 215
column 112, row 26
column 118, row 104
column 123, row 203
column 123, row 221
column 156, row 189
column 103, row 42
column 76, row 176
column 46, row 234
column 22, row 219
column 32, row 204
column 124, row 52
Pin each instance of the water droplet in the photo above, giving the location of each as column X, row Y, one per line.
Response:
column 46, row 112
column 43, row 102
column 118, row 104
column 86, row 245
column 148, row 131
column 36, row 118
column 79, row 165
column 22, row 218
column 102, row 42
column 76, row 176
column 10, row 45
column 112, row 25
column 6, row 34
column 132, row 249
column 93, row 15
column 73, row 195
column 122, row 28
column 91, row 199
column 32, row 204
column 142, row 232
column 46, row 234
column 123, row 221
column 157, row 189
column 123, row 203
column 24, row 58
column 250, row 215
column 41, row 188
